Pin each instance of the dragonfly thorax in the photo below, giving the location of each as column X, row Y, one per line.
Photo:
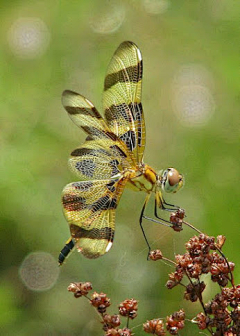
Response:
column 144, row 179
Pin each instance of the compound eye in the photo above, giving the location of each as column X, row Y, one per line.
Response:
column 173, row 177
column 172, row 181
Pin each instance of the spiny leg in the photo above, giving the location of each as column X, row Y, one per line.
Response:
column 161, row 203
column 175, row 218
column 156, row 206
column 150, row 219
column 173, row 206
column 162, row 222
column 65, row 251
column 167, row 206
column 140, row 221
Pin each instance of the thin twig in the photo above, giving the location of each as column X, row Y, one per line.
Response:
column 192, row 227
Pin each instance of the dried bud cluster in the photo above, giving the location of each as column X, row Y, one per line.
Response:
column 175, row 278
column 220, row 241
column 110, row 321
column 220, row 269
column 155, row 255
column 100, row 301
column 119, row 332
column 223, row 313
column 173, row 324
column 194, row 291
column 176, row 219
column 128, row 308
column 221, row 316
column 155, row 327
column 80, row 288
column 199, row 259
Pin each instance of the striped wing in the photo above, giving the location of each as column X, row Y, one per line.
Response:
column 101, row 140
column 122, row 98
column 91, row 161
column 89, row 207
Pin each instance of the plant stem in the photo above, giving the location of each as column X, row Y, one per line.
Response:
column 192, row 227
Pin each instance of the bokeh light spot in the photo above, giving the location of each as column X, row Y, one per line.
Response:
column 192, row 100
column 28, row 37
column 39, row 271
column 193, row 105
column 108, row 19
column 156, row 6
column 193, row 74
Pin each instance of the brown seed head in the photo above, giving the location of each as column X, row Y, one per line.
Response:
column 176, row 222
column 125, row 332
column 202, row 321
column 175, row 278
column 194, row 290
column 175, row 322
column 180, row 213
column 200, row 245
column 220, row 241
column 155, row 255
column 111, row 332
column 179, row 315
column 170, row 284
column 128, row 308
column 100, row 301
column 111, row 321
column 80, row 288
column 155, row 327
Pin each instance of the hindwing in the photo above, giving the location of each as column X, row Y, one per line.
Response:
column 89, row 207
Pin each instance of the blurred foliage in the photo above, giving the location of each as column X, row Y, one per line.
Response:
column 51, row 46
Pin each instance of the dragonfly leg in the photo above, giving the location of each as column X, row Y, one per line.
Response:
column 162, row 222
column 140, row 222
column 156, row 206
column 173, row 207
column 162, row 204
column 65, row 251
column 178, row 212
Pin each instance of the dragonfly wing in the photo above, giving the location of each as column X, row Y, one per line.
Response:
column 92, row 161
column 89, row 207
column 100, row 137
column 84, row 114
column 122, row 98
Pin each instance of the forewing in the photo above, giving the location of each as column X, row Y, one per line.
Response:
column 122, row 98
column 85, row 115
column 89, row 207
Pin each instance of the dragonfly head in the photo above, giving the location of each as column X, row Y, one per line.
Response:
column 171, row 180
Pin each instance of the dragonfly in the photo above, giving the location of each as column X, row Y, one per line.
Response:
column 111, row 158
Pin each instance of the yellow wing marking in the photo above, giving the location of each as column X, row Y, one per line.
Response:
column 122, row 98
column 85, row 115
column 89, row 207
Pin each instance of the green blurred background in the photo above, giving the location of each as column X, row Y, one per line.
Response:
column 191, row 100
